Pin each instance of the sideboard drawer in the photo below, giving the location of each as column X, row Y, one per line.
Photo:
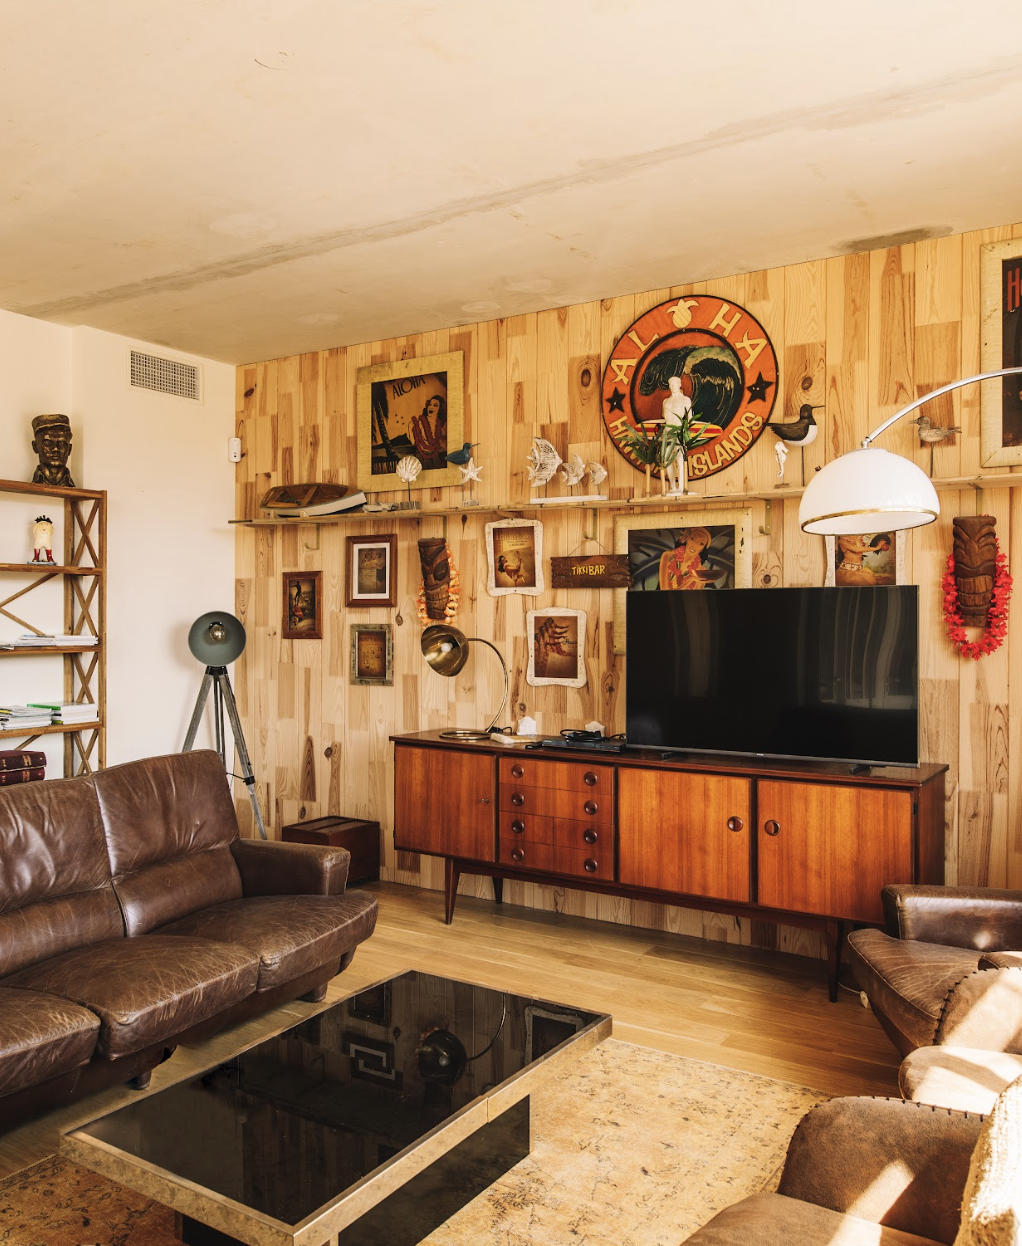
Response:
column 546, row 802
column 568, row 776
column 554, row 859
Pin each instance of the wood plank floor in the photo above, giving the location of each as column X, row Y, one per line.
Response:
column 765, row 1012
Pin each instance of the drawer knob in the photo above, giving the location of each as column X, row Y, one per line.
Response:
column 591, row 866
column 590, row 836
column 517, row 771
column 485, row 800
column 590, row 807
column 772, row 827
column 735, row 824
column 518, row 826
column 517, row 854
column 590, row 779
column 517, row 799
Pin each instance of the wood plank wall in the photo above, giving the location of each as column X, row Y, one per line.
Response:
column 871, row 332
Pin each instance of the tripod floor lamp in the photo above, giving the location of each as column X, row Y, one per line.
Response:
column 217, row 639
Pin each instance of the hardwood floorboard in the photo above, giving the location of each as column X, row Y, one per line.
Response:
column 765, row 1012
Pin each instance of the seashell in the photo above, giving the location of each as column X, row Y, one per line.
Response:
column 543, row 461
column 408, row 468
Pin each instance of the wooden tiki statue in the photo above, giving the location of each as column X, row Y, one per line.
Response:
column 436, row 575
column 975, row 553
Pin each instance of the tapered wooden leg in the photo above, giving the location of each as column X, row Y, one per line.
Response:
column 835, row 939
column 498, row 890
column 451, row 876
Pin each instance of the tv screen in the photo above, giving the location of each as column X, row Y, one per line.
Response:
column 821, row 673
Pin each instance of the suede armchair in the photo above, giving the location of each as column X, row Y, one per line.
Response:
column 948, row 969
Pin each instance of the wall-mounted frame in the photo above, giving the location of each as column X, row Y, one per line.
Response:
column 370, row 573
column 1001, row 279
column 410, row 407
column 372, row 653
column 514, row 557
column 557, row 643
column 865, row 560
column 302, row 615
column 705, row 550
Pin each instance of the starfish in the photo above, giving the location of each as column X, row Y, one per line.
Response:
column 469, row 471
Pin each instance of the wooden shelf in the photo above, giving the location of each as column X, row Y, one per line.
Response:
column 52, row 729
column 37, row 650
column 49, row 568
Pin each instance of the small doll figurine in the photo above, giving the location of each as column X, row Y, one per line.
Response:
column 42, row 540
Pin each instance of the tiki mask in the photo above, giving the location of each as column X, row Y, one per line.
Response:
column 975, row 553
column 436, row 574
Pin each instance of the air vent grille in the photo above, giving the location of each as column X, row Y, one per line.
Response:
column 166, row 376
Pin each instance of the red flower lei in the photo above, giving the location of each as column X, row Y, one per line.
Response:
column 997, row 616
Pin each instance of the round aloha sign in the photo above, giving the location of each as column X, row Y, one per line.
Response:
column 724, row 374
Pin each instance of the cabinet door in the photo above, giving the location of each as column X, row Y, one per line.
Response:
column 828, row 849
column 687, row 833
column 444, row 802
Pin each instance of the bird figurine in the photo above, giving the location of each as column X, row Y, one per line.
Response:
column 460, row 457
column 800, row 432
column 928, row 434
column 543, row 461
column 573, row 471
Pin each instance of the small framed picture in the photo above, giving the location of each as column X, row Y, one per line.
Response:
column 372, row 653
column 557, row 642
column 371, row 573
column 514, row 557
column 303, row 606
column 1001, row 406
column 865, row 560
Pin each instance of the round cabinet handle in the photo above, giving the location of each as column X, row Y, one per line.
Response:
column 735, row 824
column 772, row 827
column 485, row 800
column 590, row 779
column 517, row 854
column 590, row 807
column 591, row 866
column 517, row 771
column 517, row 799
column 518, row 826
column 590, row 836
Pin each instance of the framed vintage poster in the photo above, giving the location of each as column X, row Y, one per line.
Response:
column 1001, row 428
column 411, row 407
column 303, row 606
column 370, row 574
column 557, row 644
column 372, row 653
column 865, row 560
column 692, row 550
column 514, row 557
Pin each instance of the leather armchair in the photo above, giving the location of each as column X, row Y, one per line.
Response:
column 948, row 969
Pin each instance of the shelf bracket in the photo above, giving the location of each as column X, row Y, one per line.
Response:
column 312, row 544
column 979, row 498
column 765, row 527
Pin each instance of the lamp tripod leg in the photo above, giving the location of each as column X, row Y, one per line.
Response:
column 200, row 705
column 227, row 692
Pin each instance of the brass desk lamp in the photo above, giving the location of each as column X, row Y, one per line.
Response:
column 445, row 648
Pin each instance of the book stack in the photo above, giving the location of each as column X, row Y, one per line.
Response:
column 23, row 717
column 63, row 641
column 67, row 713
column 21, row 766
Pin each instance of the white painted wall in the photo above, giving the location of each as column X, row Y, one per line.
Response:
column 170, row 552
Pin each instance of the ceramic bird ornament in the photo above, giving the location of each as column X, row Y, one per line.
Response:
column 460, row 457
column 800, row 432
column 928, row 434
column 543, row 461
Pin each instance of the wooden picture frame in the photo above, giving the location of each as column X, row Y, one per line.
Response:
column 723, row 545
column 410, row 407
column 372, row 654
column 557, row 644
column 866, row 560
column 1001, row 410
column 370, row 572
column 514, row 557
column 302, row 615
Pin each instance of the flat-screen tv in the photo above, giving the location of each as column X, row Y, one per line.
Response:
column 822, row 673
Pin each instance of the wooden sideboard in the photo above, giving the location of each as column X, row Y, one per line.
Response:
column 799, row 843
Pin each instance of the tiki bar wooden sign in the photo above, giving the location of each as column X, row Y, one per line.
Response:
column 590, row 571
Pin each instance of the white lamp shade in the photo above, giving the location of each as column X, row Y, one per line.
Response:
column 868, row 490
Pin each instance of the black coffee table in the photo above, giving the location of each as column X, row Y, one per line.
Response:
column 371, row 1122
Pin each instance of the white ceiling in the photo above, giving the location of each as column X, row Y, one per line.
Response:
column 245, row 179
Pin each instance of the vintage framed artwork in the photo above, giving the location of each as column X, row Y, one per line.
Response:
column 514, row 557
column 1001, row 427
column 411, row 407
column 303, row 606
column 705, row 550
column 370, row 574
column 865, row 560
column 557, row 642
column 372, row 653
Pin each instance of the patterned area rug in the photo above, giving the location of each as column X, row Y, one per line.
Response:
column 633, row 1147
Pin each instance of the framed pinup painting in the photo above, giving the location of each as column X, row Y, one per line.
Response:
column 557, row 642
column 708, row 551
column 371, row 573
column 303, row 606
column 372, row 653
column 1001, row 276
column 411, row 407
column 865, row 560
column 514, row 557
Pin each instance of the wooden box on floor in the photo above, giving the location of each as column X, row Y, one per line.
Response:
column 362, row 840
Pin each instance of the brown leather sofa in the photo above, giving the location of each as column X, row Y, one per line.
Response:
column 948, row 969
column 133, row 917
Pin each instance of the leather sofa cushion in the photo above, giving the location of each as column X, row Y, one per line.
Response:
column 775, row 1220
column 290, row 934
column 42, row 1036
column 55, row 887
column 169, row 823
column 966, row 1078
column 147, row 990
column 906, row 981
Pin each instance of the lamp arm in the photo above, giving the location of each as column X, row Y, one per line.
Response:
column 507, row 683
column 935, row 393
